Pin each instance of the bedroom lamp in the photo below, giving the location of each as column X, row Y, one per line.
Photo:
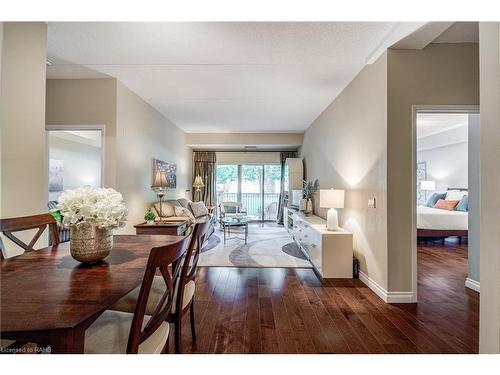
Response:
column 198, row 184
column 426, row 186
column 160, row 184
column 332, row 199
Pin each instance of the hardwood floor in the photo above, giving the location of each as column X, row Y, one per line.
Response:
column 272, row 310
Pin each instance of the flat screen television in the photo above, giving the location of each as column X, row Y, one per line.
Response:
column 296, row 197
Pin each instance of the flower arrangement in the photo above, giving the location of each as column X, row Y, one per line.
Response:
column 100, row 206
column 310, row 188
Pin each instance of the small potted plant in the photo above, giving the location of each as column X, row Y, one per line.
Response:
column 150, row 217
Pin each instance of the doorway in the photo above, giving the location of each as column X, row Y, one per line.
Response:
column 75, row 158
column 446, row 201
column 255, row 186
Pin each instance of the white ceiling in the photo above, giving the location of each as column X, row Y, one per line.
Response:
column 433, row 124
column 222, row 77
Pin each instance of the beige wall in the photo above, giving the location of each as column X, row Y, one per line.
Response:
column 22, row 119
column 143, row 134
column 212, row 140
column 440, row 74
column 346, row 148
column 253, row 157
column 489, row 332
column 86, row 102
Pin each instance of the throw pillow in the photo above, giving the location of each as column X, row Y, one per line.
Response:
column 198, row 209
column 184, row 212
column 446, row 204
column 453, row 195
column 463, row 205
column 434, row 198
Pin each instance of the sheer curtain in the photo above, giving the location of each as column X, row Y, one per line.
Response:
column 283, row 156
column 204, row 166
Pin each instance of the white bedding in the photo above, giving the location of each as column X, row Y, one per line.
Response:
column 434, row 218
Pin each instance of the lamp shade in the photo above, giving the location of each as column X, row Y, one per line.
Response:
column 427, row 185
column 331, row 198
column 198, row 182
column 160, row 180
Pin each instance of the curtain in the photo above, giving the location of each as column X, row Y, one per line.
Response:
column 283, row 156
column 204, row 166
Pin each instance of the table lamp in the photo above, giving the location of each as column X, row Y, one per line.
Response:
column 198, row 184
column 332, row 199
column 427, row 186
column 160, row 184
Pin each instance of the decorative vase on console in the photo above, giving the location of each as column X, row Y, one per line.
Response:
column 309, row 206
column 91, row 214
column 310, row 188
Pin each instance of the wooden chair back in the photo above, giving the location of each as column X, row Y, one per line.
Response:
column 18, row 224
column 188, row 271
column 169, row 260
column 198, row 241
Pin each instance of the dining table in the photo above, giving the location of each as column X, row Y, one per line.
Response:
column 49, row 298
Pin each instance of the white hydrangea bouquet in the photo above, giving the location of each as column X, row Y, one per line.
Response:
column 102, row 206
column 92, row 213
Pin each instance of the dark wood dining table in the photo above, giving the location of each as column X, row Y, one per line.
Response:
column 49, row 298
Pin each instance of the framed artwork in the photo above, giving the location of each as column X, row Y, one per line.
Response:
column 56, row 168
column 170, row 171
column 421, row 176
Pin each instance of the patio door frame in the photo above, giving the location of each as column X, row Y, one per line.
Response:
column 262, row 192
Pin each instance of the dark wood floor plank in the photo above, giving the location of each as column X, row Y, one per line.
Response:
column 272, row 310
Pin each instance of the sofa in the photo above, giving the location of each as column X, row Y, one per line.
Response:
column 168, row 213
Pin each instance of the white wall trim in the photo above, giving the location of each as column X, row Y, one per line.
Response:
column 473, row 284
column 388, row 297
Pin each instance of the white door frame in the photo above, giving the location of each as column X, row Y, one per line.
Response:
column 51, row 127
column 425, row 109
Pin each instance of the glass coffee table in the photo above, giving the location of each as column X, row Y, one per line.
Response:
column 238, row 221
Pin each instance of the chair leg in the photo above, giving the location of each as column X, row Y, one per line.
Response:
column 191, row 318
column 178, row 330
column 166, row 349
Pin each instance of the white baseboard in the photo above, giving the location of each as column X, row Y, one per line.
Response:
column 389, row 297
column 473, row 284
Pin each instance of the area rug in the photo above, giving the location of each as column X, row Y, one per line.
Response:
column 267, row 246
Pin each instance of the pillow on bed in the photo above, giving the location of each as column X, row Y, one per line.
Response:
column 453, row 195
column 446, row 204
column 434, row 198
column 463, row 205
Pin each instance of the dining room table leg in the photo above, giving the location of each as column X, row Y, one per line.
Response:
column 67, row 341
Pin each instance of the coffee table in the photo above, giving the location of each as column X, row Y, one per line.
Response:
column 234, row 221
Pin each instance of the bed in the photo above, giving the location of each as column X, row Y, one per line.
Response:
column 437, row 223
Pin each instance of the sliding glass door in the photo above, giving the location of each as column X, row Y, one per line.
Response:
column 256, row 187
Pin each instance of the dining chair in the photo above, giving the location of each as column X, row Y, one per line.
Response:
column 148, row 333
column 18, row 224
column 183, row 296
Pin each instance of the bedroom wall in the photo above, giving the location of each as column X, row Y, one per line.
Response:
column 446, row 165
column 440, row 74
column 345, row 148
column 144, row 134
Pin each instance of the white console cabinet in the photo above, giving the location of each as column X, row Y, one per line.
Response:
column 330, row 252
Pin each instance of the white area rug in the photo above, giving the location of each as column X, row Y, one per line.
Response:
column 268, row 246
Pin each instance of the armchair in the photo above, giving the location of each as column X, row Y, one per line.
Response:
column 230, row 208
